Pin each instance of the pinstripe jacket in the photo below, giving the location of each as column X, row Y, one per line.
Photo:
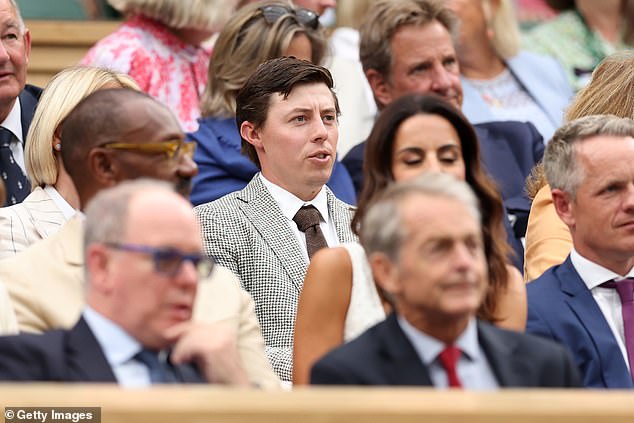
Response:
column 246, row 232
column 25, row 223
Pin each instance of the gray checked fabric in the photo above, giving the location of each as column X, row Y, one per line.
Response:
column 14, row 178
column 307, row 220
column 246, row 232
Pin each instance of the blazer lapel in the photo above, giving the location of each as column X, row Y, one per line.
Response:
column 266, row 216
column 401, row 362
column 86, row 361
column 547, row 99
column 586, row 309
column 341, row 213
column 43, row 210
column 508, row 369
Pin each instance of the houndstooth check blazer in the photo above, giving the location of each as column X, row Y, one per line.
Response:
column 246, row 232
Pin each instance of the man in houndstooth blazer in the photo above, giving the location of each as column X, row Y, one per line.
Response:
column 287, row 115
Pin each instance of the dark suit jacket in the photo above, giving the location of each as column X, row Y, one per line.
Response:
column 29, row 97
column 72, row 355
column 383, row 355
column 561, row 307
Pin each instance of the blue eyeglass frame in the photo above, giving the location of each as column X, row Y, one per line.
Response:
column 203, row 264
column 305, row 17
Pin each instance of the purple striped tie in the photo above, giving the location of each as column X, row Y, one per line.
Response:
column 625, row 288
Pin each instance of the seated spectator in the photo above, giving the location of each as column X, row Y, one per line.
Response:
column 589, row 165
column 267, row 232
column 17, row 102
column 111, row 136
column 413, row 135
column 499, row 81
column 611, row 91
column 435, row 276
column 161, row 46
column 407, row 47
column 258, row 32
column 54, row 199
column 142, row 273
column 583, row 34
column 8, row 322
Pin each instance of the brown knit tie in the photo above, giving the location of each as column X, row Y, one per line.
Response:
column 307, row 220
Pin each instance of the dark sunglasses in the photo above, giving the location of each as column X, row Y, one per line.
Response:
column 305, row 17
column 168, row 261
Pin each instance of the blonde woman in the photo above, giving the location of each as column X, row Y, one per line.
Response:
column 501, row 82
column 161, row 46
column 53, row 200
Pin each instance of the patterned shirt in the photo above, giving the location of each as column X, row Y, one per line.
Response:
column 164, row 66
column 568, row 39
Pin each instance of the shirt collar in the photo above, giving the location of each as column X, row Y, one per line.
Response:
column 13, row 122
column 290, row 204
column 117, row 345
column 60, row 202
column 593, row 274
column 429, row 347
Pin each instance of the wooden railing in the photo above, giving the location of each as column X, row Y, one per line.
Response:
column 321, row 405
column 58, row 44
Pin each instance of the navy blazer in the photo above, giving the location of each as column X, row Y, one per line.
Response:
column 383, row 355
column 561, row 307
column 29, row 97
column 72, row 355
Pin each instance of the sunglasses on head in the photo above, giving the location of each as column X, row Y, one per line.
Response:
column 305, row 17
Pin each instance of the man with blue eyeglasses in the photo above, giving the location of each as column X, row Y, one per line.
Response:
column 143, row 271
column 112, row 136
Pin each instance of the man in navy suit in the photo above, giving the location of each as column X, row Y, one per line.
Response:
column 142, row 271
column 17, row 100
column 435, row 277
column 589, row 164
column 406, row 47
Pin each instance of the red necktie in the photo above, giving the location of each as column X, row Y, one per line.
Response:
column 449, row 358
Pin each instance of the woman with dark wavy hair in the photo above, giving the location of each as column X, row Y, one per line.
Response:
column 413, row 135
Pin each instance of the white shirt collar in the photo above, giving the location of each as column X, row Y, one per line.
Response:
column 13, row 122
column 290, row 204
column 117, row 345
column 593, row 274
column 60, row 202
column 429, row 347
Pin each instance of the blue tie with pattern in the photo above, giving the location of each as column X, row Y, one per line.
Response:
column 160, row 370
column 14, row 178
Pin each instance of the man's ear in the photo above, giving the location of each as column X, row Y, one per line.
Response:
column 384, row 272
column 103, row 167
column 251, row 134
column 380, row 87
column 564, row 205
column 97, row 266
column 26, row 38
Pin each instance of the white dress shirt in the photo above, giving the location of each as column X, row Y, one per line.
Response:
column 13, row 123
column 473, row 368
column 608, row 299
column 290, row 205
column 119, row 348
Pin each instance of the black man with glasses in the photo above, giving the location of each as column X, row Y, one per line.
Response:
column 112, row 136
column 142, row 276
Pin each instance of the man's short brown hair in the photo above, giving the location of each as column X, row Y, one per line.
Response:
column 276, row 76
column 385, row 17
